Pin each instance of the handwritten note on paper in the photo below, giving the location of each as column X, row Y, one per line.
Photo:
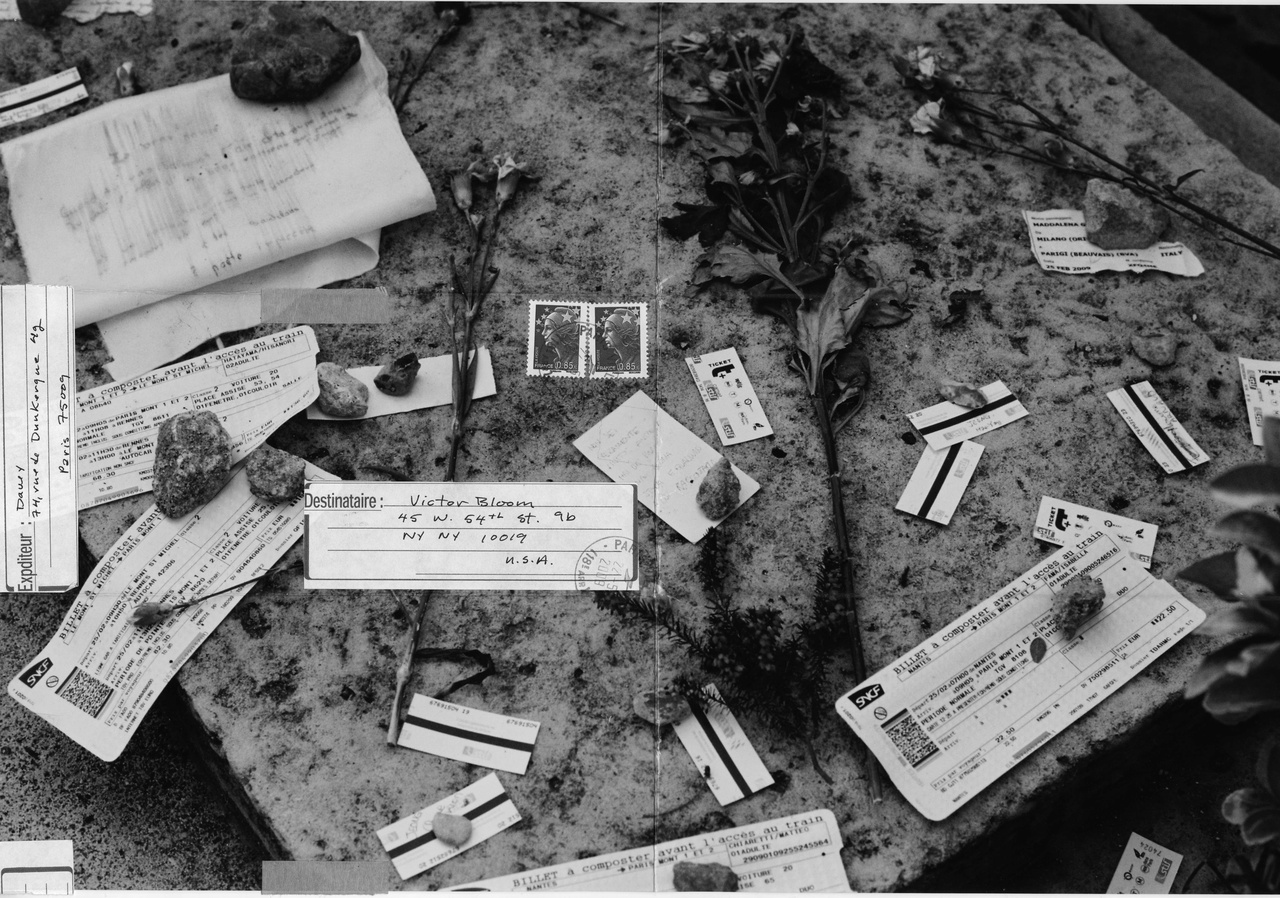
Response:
column 37, row 386
column 253, row 387
column 189, row 187
column 640, row 443
column 470, row 536
column 1060, row 242
column 433, row 387
column 100, row 674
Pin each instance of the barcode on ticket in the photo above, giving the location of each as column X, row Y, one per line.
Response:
column 910, row 739
column 84, row 692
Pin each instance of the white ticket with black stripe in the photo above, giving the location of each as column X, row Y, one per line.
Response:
column 413, row 845
column 41, row 96
column 939, row 481
column 1157, row 428
column 954, row 714
column 946, row 423
column 721, row 750
column 469, row 734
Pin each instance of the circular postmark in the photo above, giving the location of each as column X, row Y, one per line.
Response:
column 606, row 564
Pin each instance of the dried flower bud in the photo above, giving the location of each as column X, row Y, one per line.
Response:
column 462, row 190
column 126, row 82
column 149, row 614
column 927, row 117
column 718, row 79
column 509, row 173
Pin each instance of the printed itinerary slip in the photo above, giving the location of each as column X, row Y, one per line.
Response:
column 37, row 394
column 953, row 715
column 1060, row 242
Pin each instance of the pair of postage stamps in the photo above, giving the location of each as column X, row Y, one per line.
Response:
column 588, row 339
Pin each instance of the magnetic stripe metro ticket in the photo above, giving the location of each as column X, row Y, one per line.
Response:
column 730, row 399
column 939, row 481
column 413, row 845
column 469, row 735
column 1157, row 428
column 1060, row 523
column 715, row 740
column 37, row 867
column 946, row 423
column 41, row 96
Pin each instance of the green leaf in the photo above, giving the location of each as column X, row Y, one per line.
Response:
column 1249, row 619
column 1248, row 485
column 821, row 330
column 740, row 265
column 1234, row 699
column 1254, row 529
column 1217, row 572
column 886, row 308
column 693, row 114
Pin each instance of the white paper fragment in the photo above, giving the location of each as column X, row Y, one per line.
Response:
column 730, row 399
column 1145, row 868
column 954, row 714
column 1157, row 428
column 1261, row 381
column 1062, row 523
column 939, row 481
column 721, row 750
column 1060, row 243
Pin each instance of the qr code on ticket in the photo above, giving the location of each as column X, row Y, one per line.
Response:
column 909, row 738
column 86, row 693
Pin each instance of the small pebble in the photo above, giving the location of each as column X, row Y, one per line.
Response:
column 1155, row 348
column 451, row 829
column 661, row 706
column 126, row 81
column 691, row 877
column 274, row 475
column 718, row 493
column 397, row 376
column 341, row 395
column 41, row 13
column 289, row 55
column 1117, row 218
column 962, row 394
column 192, row 462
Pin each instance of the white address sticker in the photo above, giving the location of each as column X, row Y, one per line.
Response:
column 555, row 536
column 721, row 750
column 40, row 867
column 1145, row 868
column 469, row 735
column 953, row 715
column 939, row 481
column 1157, row 428
column 730, row 399
column 1062, row 523
column 413, row 845
column 946, row 423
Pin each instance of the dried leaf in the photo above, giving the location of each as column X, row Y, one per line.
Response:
column 714, row 143
column 886, row 308
column 958, row 303
column 703, row 116
column 962, row 394
column 708, row 222
column 820, row 334
column 739, row 265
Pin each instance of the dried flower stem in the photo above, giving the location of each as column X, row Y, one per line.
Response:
column 405, row 669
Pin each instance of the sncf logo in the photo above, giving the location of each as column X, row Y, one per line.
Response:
column 33, row 675
column 866, row 696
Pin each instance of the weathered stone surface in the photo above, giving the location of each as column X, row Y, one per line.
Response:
column 41, row 13
column 341, row 395
column 289, row 55
column 718, row 493
column 1117, row 218
column 397, row 376
column 1155, row 348
column 274, row 475
column 660, row 706
column 1079, row 600
column 451, row 829
column 193, row 461
column 691, row 877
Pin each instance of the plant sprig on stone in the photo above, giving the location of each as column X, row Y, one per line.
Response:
column 999, row 121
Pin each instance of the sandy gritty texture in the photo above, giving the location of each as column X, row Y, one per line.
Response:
column 293, row 690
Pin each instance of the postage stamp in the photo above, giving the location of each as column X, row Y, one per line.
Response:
column 619, row 339
column 558, row 339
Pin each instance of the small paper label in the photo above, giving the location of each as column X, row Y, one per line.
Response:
column 1060, row 242
column 1062, row 523
column 41, row 96
column 796, row 854
column 640, row 443
column 469, row 734
column 1156, row 427
column 37, row 394
column 253, row 388
column 1261, row 381
column 414, row 847
column 1145, row 868
column 946, row 423
column 37, row 867
column 730, row 399
column 432, row 387
column 561, row 536
column 939, row 481
column 721, row 750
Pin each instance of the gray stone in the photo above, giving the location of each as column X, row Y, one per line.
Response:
column 41, row 13
column 1079, row 600
column 274, row 475
column 691, row 877
column 341, row 395
column 718, row 493
column 193, row 461
column 451, row 829
column 397, row 376
column 661, row 706
column 1155, row 348
column 289, row 55
column 1117, row 218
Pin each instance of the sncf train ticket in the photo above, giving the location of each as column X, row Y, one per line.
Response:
column 950, row 717
column 800, row 853
column 946, row 423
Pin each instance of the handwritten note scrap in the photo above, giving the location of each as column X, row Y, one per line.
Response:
column 640, row 443
column 37, row 386
column 190, row 187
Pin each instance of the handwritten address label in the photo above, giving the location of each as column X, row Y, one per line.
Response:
column 543, row 536
column 37, row 389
